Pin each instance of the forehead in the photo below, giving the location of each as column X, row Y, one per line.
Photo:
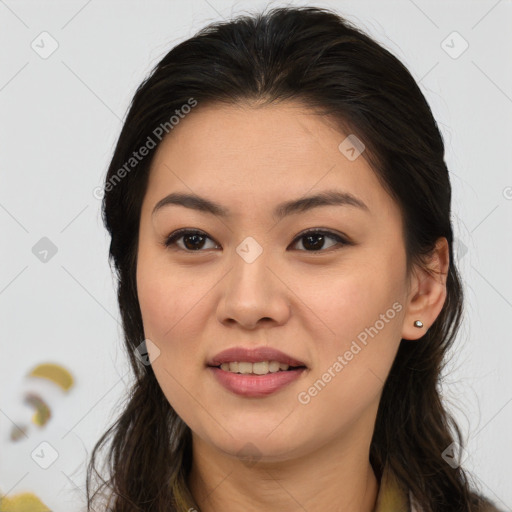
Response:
column 243, row 155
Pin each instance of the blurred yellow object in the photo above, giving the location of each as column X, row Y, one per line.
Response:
column 26, row 502
column 54, row 373
column 43, row 388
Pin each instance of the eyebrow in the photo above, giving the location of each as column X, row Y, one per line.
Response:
column 325, row 198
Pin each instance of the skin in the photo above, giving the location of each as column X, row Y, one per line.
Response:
column 309, row 305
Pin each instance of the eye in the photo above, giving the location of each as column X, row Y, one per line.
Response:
column 315, row 238
column 193, row 240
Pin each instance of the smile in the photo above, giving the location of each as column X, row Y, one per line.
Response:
column 258, row 368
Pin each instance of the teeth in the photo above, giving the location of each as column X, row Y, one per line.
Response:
column 273, row 366
column 244, row 367
column 259, row 368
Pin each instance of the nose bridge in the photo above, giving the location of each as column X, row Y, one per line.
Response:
column 250, row 268
column 252, row 291
column 250, row 250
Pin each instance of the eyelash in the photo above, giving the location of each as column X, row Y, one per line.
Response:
column 176, row 235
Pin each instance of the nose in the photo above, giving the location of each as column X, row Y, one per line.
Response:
column 253, row 293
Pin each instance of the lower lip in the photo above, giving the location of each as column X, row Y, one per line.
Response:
column 256, row 385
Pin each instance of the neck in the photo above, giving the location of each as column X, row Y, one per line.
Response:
column 332, row 479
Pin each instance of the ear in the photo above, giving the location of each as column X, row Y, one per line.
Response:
column 427, row 292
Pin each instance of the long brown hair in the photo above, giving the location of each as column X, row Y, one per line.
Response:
column 314, row 56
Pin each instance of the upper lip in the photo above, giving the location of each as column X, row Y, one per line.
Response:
column 253, row 355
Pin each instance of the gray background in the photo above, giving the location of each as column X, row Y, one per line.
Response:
column 61, row 116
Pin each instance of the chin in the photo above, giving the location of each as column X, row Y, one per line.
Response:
column 258, row 446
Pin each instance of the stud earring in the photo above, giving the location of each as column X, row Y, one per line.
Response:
column 418, row 323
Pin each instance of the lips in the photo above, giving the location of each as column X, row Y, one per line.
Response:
column 253, row 355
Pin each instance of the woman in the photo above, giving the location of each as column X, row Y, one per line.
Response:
column 279, row 208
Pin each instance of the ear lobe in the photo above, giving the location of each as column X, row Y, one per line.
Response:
column 428, row 291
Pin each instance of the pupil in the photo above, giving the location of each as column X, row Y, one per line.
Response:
column 188, row 237
column 317, row 245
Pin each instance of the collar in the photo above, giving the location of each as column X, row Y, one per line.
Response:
column 392, row 497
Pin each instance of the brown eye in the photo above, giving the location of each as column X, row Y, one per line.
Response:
column 314, row 240
column 192, row 240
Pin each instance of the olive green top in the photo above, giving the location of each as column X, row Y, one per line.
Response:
column 391, row 496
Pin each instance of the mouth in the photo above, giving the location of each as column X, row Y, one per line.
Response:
column 256, row 379
column 260, row 360
column 257, row 368
column 255, row 372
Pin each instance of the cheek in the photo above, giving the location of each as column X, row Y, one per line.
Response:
column 346, row 305
column 174, row 308
column 166, row 298
column 170, row 312
column 361, row 324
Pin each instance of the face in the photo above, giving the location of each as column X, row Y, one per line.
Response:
column 333, row 300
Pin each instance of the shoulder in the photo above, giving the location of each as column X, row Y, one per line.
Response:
column 480, row 504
